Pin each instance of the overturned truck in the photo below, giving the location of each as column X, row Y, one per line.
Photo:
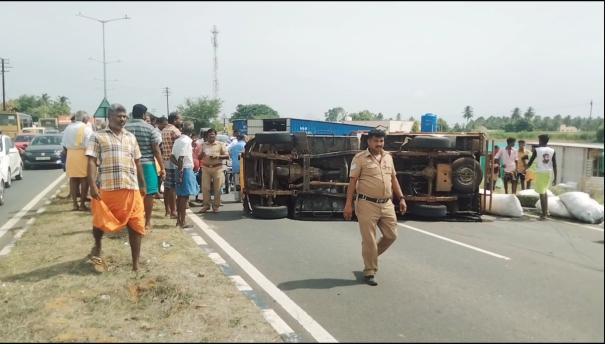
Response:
column 305, row 177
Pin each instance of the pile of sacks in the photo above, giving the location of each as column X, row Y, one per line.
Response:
column 576, row 205
column 571, row 205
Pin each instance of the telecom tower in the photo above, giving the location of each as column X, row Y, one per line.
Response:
column 215, row 45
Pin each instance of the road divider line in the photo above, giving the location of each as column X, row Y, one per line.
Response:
column 304, row 319
column 8, row 248
column 569, row 223
column 15, row 219
column 456, row 242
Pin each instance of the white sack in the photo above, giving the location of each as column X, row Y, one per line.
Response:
column 533, row 193
column 504, row 205
column 583, row 207
column 556, row 208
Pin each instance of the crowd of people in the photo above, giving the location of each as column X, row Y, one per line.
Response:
column 124, row 163
column 519, row 168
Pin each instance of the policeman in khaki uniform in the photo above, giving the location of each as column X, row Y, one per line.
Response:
column 374, row 178
column 212, row 153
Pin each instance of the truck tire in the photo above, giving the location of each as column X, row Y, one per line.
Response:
column 270, row 213
column 272, row 137
column 428, row 210
column 467, row 174
column 431, row 142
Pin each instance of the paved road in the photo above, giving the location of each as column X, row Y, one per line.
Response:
column 20, row 194
column 430, row 289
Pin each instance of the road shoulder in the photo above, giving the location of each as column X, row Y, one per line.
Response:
column 51, row 292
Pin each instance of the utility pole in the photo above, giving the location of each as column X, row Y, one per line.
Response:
column 167, row 93
column 214, row 41
column 4, row 67
column 104, row 63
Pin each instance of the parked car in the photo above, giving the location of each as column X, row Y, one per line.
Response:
column 11, row 164
column 22, row 140
column 44, row 150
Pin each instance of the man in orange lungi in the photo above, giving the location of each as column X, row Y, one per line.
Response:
column 119, row 203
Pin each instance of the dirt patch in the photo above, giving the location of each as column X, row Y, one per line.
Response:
column 51, row 292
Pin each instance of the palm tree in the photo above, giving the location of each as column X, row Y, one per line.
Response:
column 62, row 100
column 468, row 114
column 529, row 114
column 516, row 114
column 398, row 117
column 45, row 101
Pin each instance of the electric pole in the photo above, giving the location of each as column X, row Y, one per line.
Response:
column 4, row 67
column 214, row 41
column 167, row 94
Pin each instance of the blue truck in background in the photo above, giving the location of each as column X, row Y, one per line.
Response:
column 294, row 125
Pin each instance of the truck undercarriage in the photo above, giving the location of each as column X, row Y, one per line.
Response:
column 305, row 177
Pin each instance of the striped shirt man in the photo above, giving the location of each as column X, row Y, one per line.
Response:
column 146, row 135
column 116, row 155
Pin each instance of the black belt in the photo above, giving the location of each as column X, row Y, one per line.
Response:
column 373, row 200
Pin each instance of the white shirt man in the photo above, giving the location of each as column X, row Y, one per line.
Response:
column 71, row 132
column 182, row 148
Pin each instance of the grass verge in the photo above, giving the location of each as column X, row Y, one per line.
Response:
column 50, row 291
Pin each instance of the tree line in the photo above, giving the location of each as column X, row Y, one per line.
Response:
column 518, row 121
column 39, row 106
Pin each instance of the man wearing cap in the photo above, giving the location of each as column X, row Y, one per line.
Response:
column 149, row 141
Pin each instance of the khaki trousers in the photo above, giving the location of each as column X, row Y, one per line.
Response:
column 370, row 215
column 215, row 176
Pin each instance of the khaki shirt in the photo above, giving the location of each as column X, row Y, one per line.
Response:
column 215, row 149
column 373, row 177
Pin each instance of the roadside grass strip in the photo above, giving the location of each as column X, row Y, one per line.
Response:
column 50, row 291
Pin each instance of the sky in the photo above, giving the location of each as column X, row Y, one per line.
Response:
column 304, row 58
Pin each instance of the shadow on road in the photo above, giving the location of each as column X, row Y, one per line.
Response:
column 78, row 267
column 322, row 283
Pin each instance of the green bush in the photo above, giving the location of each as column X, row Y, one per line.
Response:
column 600, row 134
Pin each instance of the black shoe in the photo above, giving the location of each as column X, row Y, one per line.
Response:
column 370, row 280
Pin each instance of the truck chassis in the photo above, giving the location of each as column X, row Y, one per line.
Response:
column 305, row 177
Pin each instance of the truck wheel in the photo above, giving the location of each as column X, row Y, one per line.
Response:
column 270, row 213
column 273, row 137
column 431, row 142
column 467, row 174
column 428, row 210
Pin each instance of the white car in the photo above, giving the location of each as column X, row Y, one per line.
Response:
column 11, row 165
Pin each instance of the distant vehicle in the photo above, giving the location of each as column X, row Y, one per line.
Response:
column 63, row 121
column 11, row 164
column 49, row 123
column 44, row 150
column 13, row 122
column 39, row 130
column 22, row 140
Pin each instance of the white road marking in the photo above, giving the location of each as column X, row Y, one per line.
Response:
column 198, row 240
column 240, row 283
column 217, row 259
column 13, row 221
column 310, row 325
column 569, row 223
column 455, row 242
column 278, row 323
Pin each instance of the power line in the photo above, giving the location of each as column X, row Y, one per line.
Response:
column 4, row 63
column 167, row 94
